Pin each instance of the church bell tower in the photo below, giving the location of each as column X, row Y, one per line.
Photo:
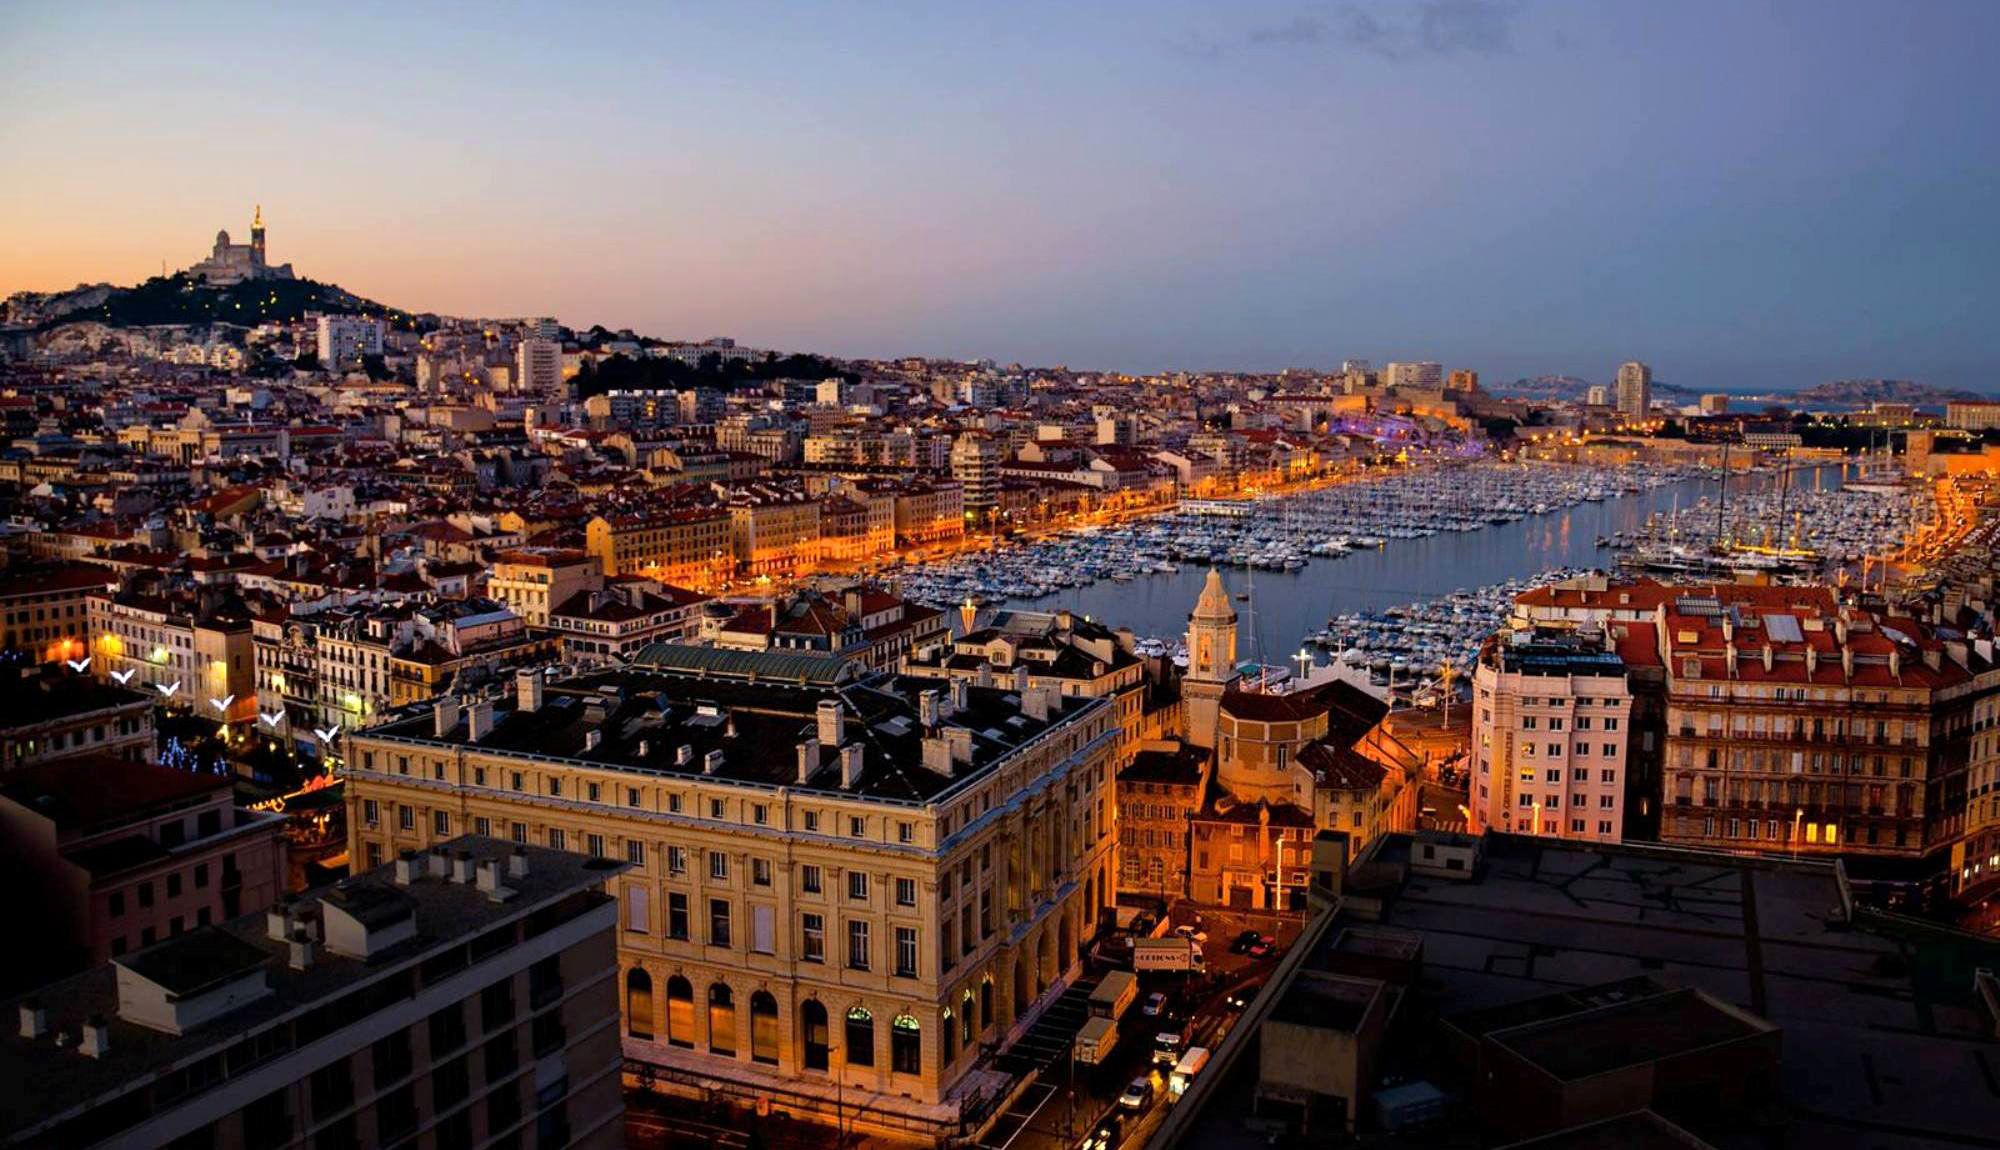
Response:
column 257, row 238
column 1211, row 667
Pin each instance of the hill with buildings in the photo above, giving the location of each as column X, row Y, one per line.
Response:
column 1865, row 391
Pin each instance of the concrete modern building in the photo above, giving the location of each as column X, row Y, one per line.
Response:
column 1634, row 390
column 532, row 581
column 538, row 370
column 463, row 998
column 344, row 340
column 108, row 855
column 841, row 887
column 1552, row 718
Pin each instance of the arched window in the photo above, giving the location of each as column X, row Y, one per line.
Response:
column 638, row 1003
column 950, row 1038
column 906, row 1045
column 763, row 1028
column 860, row 1038
column 813, row 1034
column 721, row 1020
column 986, row 1002
column 680, row 1012
column 965, row 1027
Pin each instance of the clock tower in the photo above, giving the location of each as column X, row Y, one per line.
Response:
column 1211, row 666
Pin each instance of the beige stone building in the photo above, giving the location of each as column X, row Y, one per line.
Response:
column 841, row 888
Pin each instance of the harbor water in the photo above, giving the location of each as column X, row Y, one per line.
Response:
column 1283, row 608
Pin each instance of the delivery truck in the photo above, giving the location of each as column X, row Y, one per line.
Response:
column 1095, row 1041
column 1185, row 1070
column 1114, row 995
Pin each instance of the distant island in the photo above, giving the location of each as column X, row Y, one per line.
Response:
column 1858, row 392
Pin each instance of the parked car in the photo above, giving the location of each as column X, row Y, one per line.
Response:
column 1137, row 1094
column 1195, row 933
column 1264, row 945
column 1156, row 1005
column 1243, row 942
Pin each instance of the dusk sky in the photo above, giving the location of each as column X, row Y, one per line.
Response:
column 1742, row 194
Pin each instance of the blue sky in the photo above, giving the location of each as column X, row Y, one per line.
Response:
column 1743, row 194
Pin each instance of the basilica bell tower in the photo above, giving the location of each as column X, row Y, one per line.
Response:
column 1211, row 667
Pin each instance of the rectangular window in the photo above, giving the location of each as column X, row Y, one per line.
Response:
column 441, row 823
column 906, row 951
column 760, row 872
column 759, row 813
column 594, row 845
column 482, row 826
column 677, row 862
column 718, row 865
column 809, row 878
column 857, row 944
column 718, row 922
column 812, row 938
column 715, row 808
column 763, row 930
column 637, row 913
column 406, row 818
column 905, row 832
column 857, row 827
column 635, row 852
column 812, row 821
column 557, row 840
column 677, row 916
column 906, row 892
column 857, row 885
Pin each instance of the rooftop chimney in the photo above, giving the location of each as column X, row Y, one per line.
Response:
column 957, row 695
column 592, row 738
column 406, row 867
column 479, row 721
column 96, row 1041
column 278, row 920
column 528, row 691
column 461, row 867
column 927, row 709
column 683, row 755
column 850, row 765
column 960, row 741
column 711, row 763
column 299, row 951
column 1037, row 702
column 487, row 877
column 832, row 722
column 445, row 715
column 440, row 863
column 1021, row 677
column 937, row 755
column 517, row 863
column 34, row 1018
column 808, row 760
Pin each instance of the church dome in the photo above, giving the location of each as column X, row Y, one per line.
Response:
column 222, row 238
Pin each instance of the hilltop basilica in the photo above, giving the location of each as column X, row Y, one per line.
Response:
column 234, row 263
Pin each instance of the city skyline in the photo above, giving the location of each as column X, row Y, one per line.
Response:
column 1122, row 189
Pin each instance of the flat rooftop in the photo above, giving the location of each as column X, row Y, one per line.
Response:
column 1627, row 1033
column 1878, row 1016
column 41, row 1081
column 641, row 717
column 1327, row 1001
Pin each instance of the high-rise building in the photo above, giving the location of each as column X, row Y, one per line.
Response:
column 1462, row 380
column 1635, row 389
column 842, row 887
column 975, row 463
column 344, row 340
column 1422, row 376
column 462, row 998
column 538, row 369
column 1715, row 403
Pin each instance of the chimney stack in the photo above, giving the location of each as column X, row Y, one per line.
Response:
column 96, row 1041
column 808, row 760
column 34, row 1018
column 1020, row 677
column 832, row 722
column 592, row 738
column 444, row 716
column 927, row 709
column 299, row 951
column 683, row 755
column 528, row 691
column 406, row 867
column 937, row 755
column 959, row 739
column 479, row 721
column 850, row 765
column 711, row 763
column 517, row 863
column 957, row 695
column 461, row 867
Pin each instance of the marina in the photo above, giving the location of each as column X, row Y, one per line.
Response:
column 1413, row 566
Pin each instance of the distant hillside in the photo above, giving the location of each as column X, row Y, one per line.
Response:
column 177, row 300
column 1863, row 391
column 1570, row 387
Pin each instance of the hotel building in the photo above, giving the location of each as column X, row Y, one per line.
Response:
column 1551, row 724
column 841, row 888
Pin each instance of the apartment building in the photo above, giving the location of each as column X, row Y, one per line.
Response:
column 1975, row 858
column 463, row 998
column 856, row 527
column 616, row 623
column 840, row 886
column 774, row 531
column 975, row 464
column 45, row 611
column 927, row 513
column 108, row 855
column 685, row 546
column 1160, row 791
column 193, row 656
column 51, row 712
column 533, row 581
column 1551, row 730
column 1798, row 724
column 1059, row 649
